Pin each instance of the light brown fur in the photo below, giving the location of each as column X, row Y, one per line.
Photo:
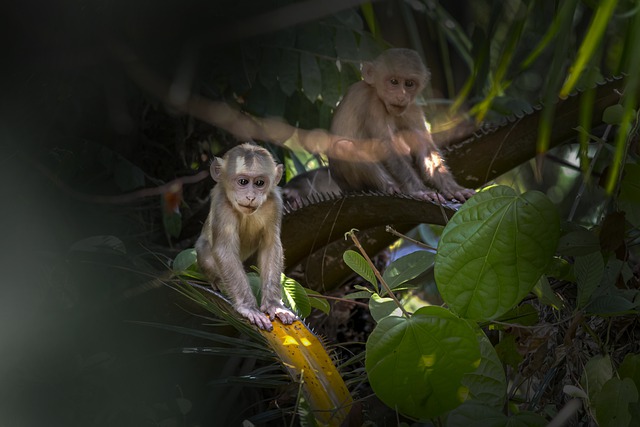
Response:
column 383, row 141
column 244, row 219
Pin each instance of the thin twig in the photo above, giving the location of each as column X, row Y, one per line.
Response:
column 393, row 231
column 376, row 272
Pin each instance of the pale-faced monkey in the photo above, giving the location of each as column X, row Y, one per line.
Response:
column 244, row 219
column 379, row 119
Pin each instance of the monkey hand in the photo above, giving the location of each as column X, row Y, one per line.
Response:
column 461, row 194
column 285, row 315
column 430, row 196
column 256, row 317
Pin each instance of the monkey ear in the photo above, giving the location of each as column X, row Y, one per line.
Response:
column 279, row 170
column 216, row 169
column 368, row 73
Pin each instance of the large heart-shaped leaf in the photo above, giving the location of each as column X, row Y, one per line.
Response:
column 417, row 364
column 494, row 250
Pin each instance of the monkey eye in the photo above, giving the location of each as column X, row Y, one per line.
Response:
column 409, row 83
column 243, row 181
column 259, row 183
column 394, row 82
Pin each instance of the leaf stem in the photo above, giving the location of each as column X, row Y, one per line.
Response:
column 376, row 272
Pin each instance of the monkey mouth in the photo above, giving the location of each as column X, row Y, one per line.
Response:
column 247, row 209
column 396, row 109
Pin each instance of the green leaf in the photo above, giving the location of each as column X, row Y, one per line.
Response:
column 581, row 242
column 288, row 72
column 346, row 45
column 546, row 295
column 612, row 305
column 407, row 268
column 311, row 76
column 185, row 260
column 613, row 115
column 487, row 383
column 494, row 250
column 318, row 303
column 507, row 349
column 597, row 371
column 360, row 294
column 296, row 297
column 357, row 263
column 523, row 314
column 382, row 307
column 613, row 402
column 589, row 270
column 416, row 365
column 589, row 44
column 630, row 368
column 331, row 92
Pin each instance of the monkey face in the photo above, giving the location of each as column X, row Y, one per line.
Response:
column 398, row 93
column 249, row 192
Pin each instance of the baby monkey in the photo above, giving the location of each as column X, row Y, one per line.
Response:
column 383, row 141
column 244, row 220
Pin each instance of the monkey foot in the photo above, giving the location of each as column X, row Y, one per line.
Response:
column 285, row 315
column 256, row 317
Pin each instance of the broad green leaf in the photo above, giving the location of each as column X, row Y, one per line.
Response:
column 597, row 371
column 494, row 250
column 560, row 269
column 581, row 242
column 487, row 383
column 630, row 368
column 523, row 314
column 507, row 350
column 416, row 365
column 589, row 270
column 360, row 294
column 612, row 305
column 330, row 82
column 613, row 115
column 546, row 295
column 407, row 268
column 318, row 303
column 613, row 401
column 295, row 297
column 346, row 45
column 357, row 263
column 311, row 76
column 185, row 260
column 382, row 307
column 288, row 71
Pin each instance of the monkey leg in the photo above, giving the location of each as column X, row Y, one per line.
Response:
column 271, row 262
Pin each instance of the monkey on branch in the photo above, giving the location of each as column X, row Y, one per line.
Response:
column 244, row 220
column 383, row 143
